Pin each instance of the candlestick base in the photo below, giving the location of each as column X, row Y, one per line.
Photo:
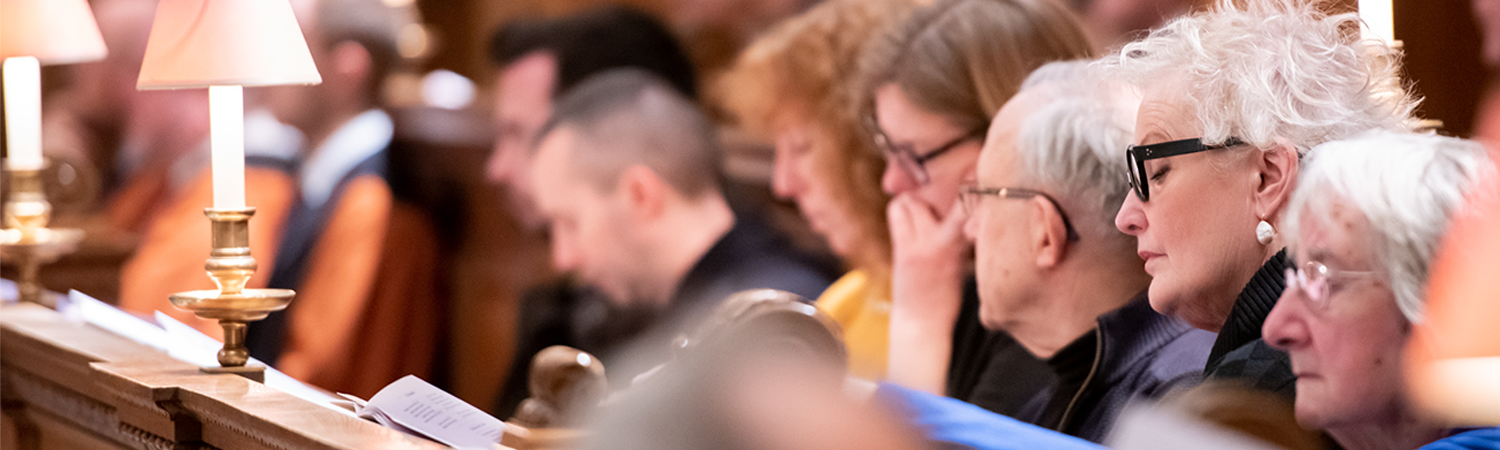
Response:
column 255, row 372
column 230, row 266
column 26, row 238
column 31, row 252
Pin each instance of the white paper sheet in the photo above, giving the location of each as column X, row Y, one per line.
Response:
column 105, row 316
column 417, row 405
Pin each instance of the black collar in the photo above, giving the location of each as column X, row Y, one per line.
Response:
column 1251, row 308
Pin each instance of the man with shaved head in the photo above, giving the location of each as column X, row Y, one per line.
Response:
column 626, row 173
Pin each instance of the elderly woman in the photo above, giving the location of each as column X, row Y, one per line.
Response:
column 935, row 83
column 789, row 87
column 1362, row 227
column 1232, row 99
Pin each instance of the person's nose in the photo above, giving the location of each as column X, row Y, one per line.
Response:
column 1286, row 328
column 565, row 256
column 785, row 181
column 496, row 167
column 896, row 181
column 1131, row 219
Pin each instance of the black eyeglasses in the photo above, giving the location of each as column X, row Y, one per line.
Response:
column 1137, row 155
column 969, row 194
column 906, row 157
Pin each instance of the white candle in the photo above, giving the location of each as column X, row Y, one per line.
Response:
column 23, row 113
column 226, row 115
column 1380, row 19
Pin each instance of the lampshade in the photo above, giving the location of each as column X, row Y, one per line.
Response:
column 53, row 31
column 201, row 43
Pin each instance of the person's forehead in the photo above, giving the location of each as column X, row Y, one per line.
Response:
column 1165, row 114
column 1001, row 140
column 534, row 71
column 1334, row 236
column 551, row 158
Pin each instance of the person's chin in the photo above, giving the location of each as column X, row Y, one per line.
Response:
column 1162, row 299
column 1308, row 409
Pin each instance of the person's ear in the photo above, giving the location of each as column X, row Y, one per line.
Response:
column 1276, row 177
column 1049, row 234
column 644, row 191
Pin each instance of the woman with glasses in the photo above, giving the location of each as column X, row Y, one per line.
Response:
column 1233, row 98
column 932, row 86
column 787, row 87
column 1361, row 229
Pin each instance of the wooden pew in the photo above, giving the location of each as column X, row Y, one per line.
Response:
column 66, row 385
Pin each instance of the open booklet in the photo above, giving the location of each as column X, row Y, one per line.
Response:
column 413, row 406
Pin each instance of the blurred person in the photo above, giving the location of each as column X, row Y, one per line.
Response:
column 789, row 86
column 1362, row 227
column 627, row 173
column 84, row 123
column 1460, row 314
column 929, row 90
column 360, row 256
column 1112, row 23
column 1233, row 99
column 539, row 60
column 761, row 372
column 1052, row 269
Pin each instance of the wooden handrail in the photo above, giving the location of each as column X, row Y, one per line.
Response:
column 71, row 385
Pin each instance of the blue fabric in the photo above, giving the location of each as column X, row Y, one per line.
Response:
column 1481, row 439
column 947, row 420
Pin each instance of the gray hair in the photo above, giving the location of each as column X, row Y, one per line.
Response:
column 1274, row 71
column 629, row 116
column 1072, row 144
column 1407, row 185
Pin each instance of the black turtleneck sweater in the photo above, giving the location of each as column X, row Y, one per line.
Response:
column 1239, row 353
column 1072, row 365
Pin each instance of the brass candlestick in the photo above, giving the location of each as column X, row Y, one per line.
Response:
column 26, row 238
column 230, row 266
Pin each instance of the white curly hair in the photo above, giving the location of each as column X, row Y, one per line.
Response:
column 1408, row 187
column 1272, row 72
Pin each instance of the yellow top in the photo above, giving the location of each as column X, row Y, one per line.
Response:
column 866, row 323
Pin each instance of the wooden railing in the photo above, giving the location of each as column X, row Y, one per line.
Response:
column 68, row 385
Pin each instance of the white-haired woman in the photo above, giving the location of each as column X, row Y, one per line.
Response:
column 1232, row 98
column 1362, row 227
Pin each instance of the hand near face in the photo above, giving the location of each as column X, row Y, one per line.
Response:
column 929, row 251
column 926, row 290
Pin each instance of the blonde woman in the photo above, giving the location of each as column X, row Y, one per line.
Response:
column 789, row 86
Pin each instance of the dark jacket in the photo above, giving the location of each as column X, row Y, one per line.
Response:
column 630, row 341
column 989, row 369
column 1240, row 353
column 1137, row 353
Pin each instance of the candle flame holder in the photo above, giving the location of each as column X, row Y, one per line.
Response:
column 26, row 238
column 230, row 265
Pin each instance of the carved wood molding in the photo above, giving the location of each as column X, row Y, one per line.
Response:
column 145, row 439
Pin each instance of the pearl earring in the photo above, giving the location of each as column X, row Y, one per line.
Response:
column 1264, row 232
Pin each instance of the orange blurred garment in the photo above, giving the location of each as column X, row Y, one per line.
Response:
column 175, row 242
column 1463, row 304
column 366, row 312
column 364, row 265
